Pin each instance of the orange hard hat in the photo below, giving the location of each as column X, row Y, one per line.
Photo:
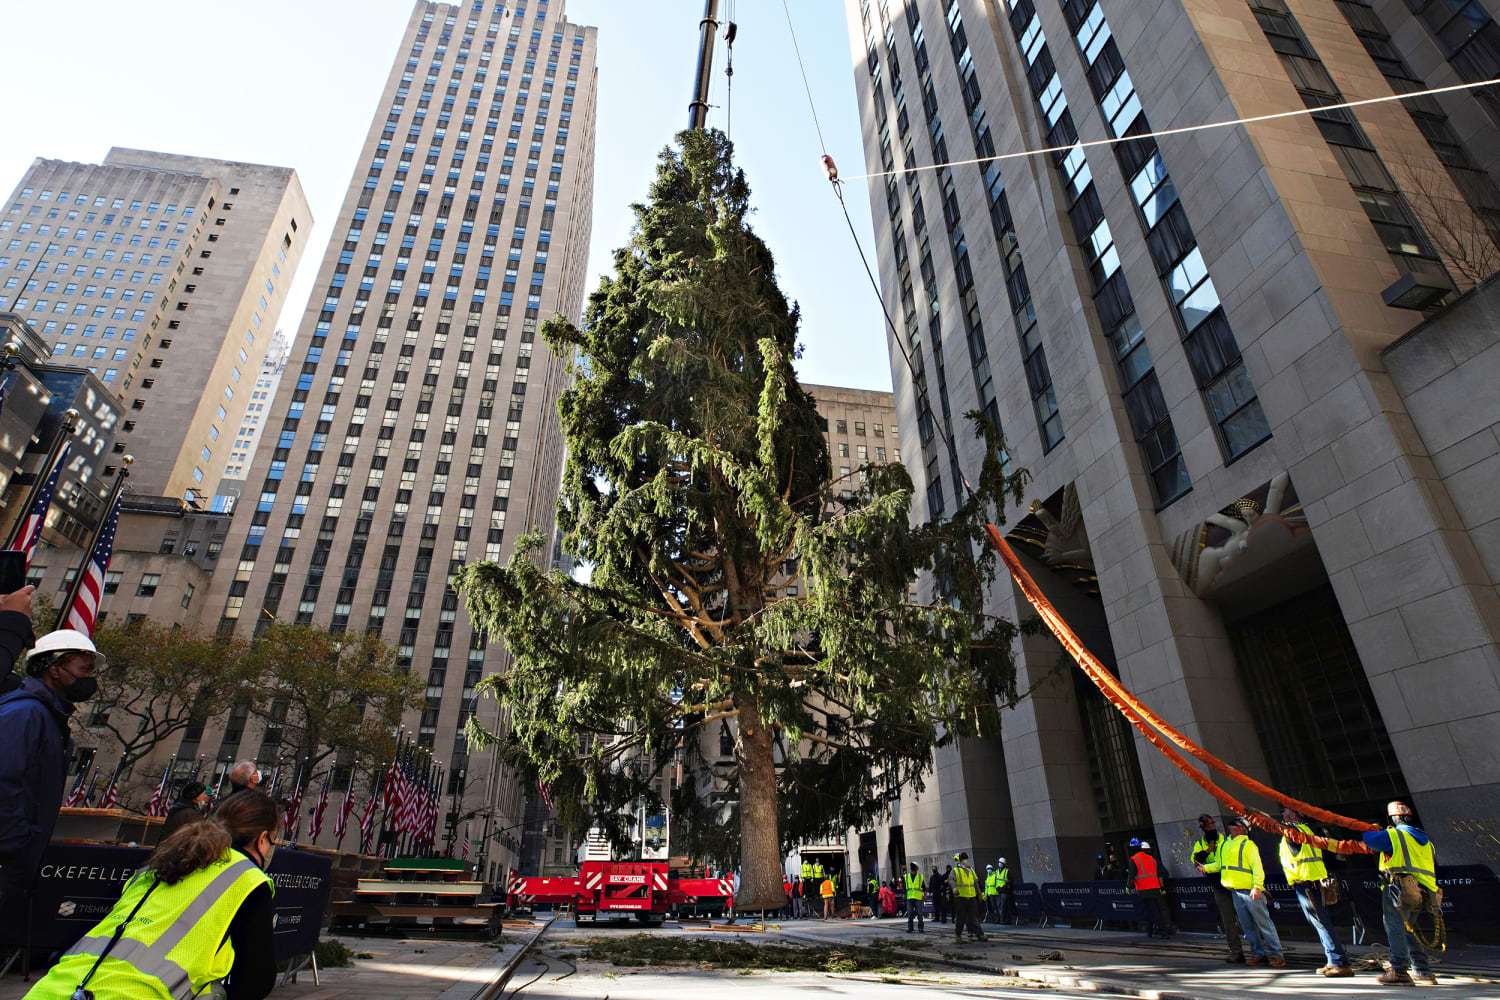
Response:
column 1397, row 809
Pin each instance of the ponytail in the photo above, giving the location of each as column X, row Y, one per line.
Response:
column 238, row 821
column 192, row 847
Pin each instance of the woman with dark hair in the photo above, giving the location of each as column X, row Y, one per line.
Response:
column 187, row 809
column 200, row 910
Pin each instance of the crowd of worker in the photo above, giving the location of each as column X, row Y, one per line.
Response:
column 960, row 894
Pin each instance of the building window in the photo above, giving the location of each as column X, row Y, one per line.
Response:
column 149, row 583
column 187, row 595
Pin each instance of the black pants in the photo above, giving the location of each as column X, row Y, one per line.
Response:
column 939, row 908
column 966, row 915
column 1224, row 900
column 1007, row 906
column 914, row 912
column 1158, row 920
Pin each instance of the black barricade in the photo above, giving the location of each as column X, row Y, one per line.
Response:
column 1191, row 902
column 1117, row 901
column 1471, row 898
column 1071, row 901
column 1028, row 900
column 78, row 884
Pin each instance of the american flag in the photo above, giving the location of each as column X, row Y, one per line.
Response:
column 293, row 819
column 78, row 796
column 31, row 531
column 466, row 842
column 112, row 791
column 367, row 822
column 341, row 824
column 158, row 806
column 85, row 609
column 546, row 789
column 316, row 826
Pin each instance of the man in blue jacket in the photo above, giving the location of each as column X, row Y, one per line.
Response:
column 35, row 749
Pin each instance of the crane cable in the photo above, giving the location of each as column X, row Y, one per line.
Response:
column 1156, row 730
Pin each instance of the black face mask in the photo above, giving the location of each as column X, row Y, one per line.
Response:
column 81, row 689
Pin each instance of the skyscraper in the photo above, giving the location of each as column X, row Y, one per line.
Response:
column 415, row 429
column 164, row 275
column 1185, row 339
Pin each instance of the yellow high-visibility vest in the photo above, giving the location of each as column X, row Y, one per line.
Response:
column 964, row 882
column 175, row 947
column 1240, row 866
column 1411, row 858
column 914, row 885
column 1302, row 862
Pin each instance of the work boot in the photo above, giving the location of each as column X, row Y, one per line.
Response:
column 1254, row 960
column 1235, row 959
column 1395, row 977
column 1336, row 971
column 1278, row 962
column 1423, row 978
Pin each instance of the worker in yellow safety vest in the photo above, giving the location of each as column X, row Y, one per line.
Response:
column 1206, row 859
column 1305, row 872
column 965, row 899
column 200, row 910
column 987, row 909
column 1241, row 872
column 1004, row 892
column 809, row 886
column 914, row 892
column 1408, row 864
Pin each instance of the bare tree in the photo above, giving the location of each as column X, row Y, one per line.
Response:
column 1462, row 220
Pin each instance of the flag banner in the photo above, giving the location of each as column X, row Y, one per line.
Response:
column 31, row 530
column 316, row 826
column 85, row 610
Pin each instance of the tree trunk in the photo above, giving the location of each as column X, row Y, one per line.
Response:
column 760, row 837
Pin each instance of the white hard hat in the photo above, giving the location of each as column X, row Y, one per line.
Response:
column 1145, row 845
column 64, row 640
column 1002, row 861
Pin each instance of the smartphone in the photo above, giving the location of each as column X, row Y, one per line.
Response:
column 12, row 570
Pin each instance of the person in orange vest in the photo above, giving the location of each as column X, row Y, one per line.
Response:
column 827, row 891
column 1144, row 874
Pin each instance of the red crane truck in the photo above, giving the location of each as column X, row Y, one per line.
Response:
column 613, row 890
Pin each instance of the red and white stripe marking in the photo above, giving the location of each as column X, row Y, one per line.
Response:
column 726, row 887
column 592, row 882
column 659, row 881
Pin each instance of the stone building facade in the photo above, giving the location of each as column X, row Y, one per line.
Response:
column 164, row 275
column 1188, row 342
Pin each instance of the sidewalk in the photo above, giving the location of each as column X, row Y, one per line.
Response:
column 1188, row 966
column 398, row 969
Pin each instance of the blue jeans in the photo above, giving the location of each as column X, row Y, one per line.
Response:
column 1406, row 953
column 1255, row 920
column 1310, row 897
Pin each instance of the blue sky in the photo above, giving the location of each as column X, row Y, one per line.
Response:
column 294, row 83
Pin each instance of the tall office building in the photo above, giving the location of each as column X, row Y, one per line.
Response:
column 1191, row 342
column 415, row 430
column 164, row 275
column 247, row 437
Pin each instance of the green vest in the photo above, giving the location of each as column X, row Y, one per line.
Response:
column 1210, row 863
column 175, row 948
column 913, row 885
column 990, row 887
column 807, row 871
column 1238, row 860
column 1002, row 879
column 872, row 886
column 964, row 881
column 1302, row 862
column 1411, row 858
column 818, row 869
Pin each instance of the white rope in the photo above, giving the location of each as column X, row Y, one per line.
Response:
column 1180, row 130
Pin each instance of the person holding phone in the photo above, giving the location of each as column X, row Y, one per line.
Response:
column 35, row 748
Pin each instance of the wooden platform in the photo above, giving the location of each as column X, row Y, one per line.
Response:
column 387, row 887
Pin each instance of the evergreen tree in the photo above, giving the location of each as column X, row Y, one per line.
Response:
column 697, row 480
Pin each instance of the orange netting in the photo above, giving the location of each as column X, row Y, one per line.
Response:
column 1144, row 719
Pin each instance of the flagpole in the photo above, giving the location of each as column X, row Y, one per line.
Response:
column 115, row 777
column 385, row 807
column 66, row 607
column 69, row 428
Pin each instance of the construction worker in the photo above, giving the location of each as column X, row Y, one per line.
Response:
column 966, row 899
column 1206, row 851
column 1241, row 872
column 1408, row 865
column 914, row 887
column 1145, row 877
column 935, row 883
column 201, row 909
column 987, row 911
column 809, row 888
column 1006, row 894
column 827, row 889
column 1305, row 872
column 797, row 900
column 872, row 895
